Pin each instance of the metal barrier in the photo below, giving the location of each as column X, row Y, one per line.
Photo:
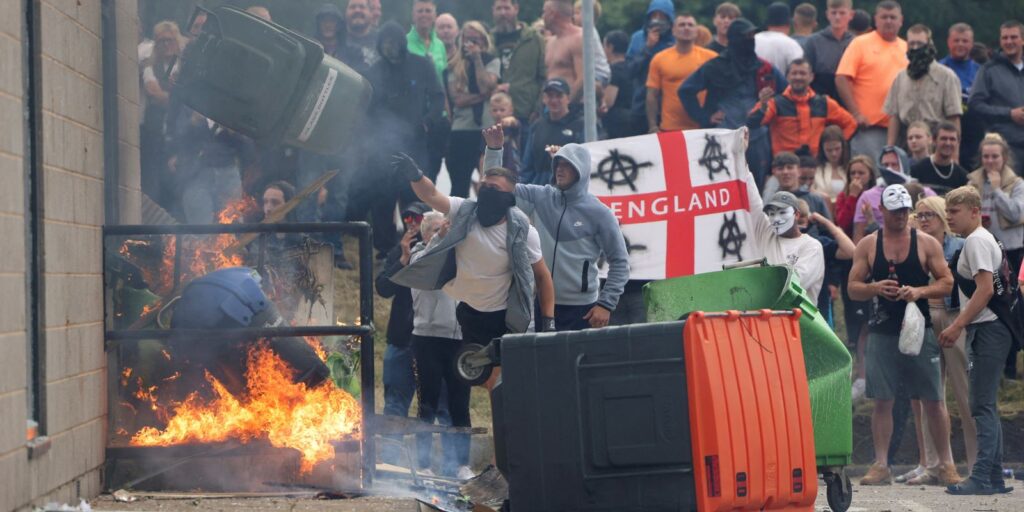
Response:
column 115, row 338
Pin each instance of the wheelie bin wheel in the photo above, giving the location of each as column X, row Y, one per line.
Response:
column 470, row 371
column 838, row 491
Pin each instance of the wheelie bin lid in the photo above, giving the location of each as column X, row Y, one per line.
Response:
column 743, row 289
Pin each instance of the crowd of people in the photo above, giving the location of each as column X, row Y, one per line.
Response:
column 861, row 145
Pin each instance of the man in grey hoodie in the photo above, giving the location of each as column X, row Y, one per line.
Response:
column 576, row 230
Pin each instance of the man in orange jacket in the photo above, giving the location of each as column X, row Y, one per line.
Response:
column 798, row 116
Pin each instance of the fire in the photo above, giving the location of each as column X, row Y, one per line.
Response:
column 317, row 347
column 147, row 394
column 203, row 255
column 273, row 407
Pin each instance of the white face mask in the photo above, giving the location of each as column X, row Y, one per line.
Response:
column 781, row 219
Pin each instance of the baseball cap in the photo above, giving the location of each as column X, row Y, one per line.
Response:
column 741, row 27
column 557, row 84
column 785, row 200
column 778, row 15
column 896, row 197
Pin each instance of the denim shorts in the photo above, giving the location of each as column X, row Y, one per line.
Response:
column 888, row 369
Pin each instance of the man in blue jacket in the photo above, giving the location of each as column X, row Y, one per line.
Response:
column 653, row 37
column 576, row 230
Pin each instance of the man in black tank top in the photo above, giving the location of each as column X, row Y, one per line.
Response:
column 892, row 268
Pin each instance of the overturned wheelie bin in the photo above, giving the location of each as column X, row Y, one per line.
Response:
column 270, row 83
column 828, row 362
column 707, row 413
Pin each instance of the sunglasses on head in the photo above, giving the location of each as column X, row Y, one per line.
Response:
column 410, row 218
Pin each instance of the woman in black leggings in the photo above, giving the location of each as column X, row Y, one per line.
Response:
column 471, row 77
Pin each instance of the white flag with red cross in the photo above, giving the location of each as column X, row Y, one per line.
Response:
column 680, row 198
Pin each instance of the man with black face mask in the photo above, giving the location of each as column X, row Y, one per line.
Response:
column 734, row 82
column 496, row 253
column 576, row 231
column 925, row 91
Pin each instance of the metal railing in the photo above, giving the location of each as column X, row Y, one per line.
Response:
column 115, row 338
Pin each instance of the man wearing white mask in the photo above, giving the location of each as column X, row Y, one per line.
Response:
column 777, row 237
column 893, row 267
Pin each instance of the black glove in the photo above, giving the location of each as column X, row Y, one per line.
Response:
column 546, row 324
column 406, row 167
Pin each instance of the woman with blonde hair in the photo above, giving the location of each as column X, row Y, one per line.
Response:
column 1002, row 206
column 158, row 74
column 930, row 214
column 471, row 77
column 1002, row 196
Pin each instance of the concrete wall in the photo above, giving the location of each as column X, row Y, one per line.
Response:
column 72, row 141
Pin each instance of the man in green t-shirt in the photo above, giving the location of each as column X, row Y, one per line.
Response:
column 423, row 40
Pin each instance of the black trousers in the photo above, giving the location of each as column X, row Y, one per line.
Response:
column 1015, row 256
column 435, row 367
column 480, row 327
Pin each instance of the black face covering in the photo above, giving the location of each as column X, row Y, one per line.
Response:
column 743, row 48
column 920, row 60
column 492, row 205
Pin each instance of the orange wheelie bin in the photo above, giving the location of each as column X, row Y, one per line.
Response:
column 710, row 413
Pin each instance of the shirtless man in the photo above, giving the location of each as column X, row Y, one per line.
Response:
column 564, row 53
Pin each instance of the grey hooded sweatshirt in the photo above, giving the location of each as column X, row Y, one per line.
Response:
column 575, row 229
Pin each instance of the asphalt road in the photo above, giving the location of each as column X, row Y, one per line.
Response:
column 903, row 498
column 896, row 498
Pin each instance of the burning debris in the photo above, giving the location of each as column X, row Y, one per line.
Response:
column 190, row 391
column 273, row 407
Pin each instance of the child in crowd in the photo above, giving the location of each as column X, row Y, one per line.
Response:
column 503, row 114
column 919, row 141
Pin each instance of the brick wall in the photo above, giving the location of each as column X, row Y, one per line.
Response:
column 72, row 174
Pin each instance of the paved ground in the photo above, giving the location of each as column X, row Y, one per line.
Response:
column 865, row 499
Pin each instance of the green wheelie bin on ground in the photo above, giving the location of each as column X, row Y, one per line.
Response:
column 828, row 361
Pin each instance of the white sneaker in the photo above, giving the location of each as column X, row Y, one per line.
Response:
column 464, row 473
column 858, row 389
column 910, row 475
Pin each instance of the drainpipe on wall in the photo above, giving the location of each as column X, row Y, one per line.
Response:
column 35, row 289
column 111, row 130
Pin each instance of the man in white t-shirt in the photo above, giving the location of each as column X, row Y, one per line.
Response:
column 774, row 44
column 497, row 258
column 777, row 237
column 988, row 336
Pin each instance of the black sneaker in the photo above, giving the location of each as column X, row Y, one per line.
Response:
column 970, row 486
column 999, row 487
column 1019, row 474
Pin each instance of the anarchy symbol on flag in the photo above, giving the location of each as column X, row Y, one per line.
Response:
column 680, row 195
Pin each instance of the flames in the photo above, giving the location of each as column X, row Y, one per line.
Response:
column 287, row 414
column 210, row 253
column 200, row 254
column 271, row 407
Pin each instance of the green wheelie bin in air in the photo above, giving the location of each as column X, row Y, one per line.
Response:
column 271, row 84
column 828, row 363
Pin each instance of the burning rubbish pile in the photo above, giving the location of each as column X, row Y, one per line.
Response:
column 288, row 414
column 202, row 389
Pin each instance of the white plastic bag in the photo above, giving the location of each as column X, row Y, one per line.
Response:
column 912, row 330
